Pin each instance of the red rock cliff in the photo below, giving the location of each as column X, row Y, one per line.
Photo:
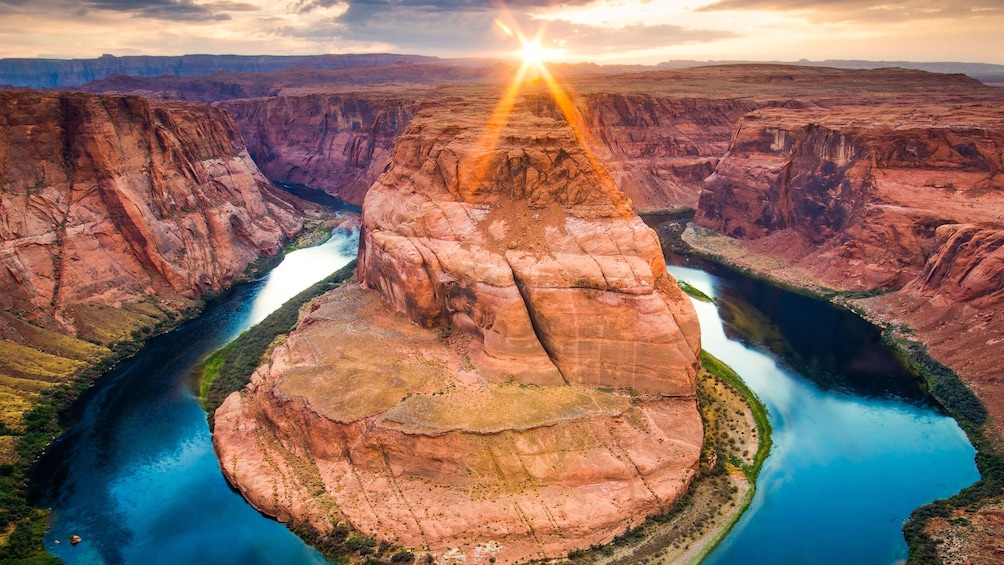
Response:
column 332, row 142
column 858, row 193
column 660, row 148
column 112, row 200
column 509, row 431
column 902, row 200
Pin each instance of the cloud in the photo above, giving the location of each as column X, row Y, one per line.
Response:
column 466, row 28
column 581, row 39
column 172, row 10
column 865, row 10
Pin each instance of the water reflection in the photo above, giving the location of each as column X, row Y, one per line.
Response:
column 856, row 448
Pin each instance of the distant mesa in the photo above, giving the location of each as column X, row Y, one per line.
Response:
column 49, row 73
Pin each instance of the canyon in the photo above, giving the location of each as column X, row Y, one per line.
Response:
column 46, row 73
column 118, row 214
column 500, row 258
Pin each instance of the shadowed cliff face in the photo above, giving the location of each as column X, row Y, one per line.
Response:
column 336, row 143
column 660, row 148
column 110, row 199
column 477, row 394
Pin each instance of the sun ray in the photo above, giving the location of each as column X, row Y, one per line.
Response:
column 534, row 57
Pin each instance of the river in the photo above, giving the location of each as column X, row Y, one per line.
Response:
column 135, row 475
column 857, row 445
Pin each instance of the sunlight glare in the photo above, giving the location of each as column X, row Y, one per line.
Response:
column 533, row 54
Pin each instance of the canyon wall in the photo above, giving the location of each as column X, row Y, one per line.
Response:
column 339, row 143
column 858, row 195
column 660, row 148
column 903, row 202
column 115, row 213
column 515, row 376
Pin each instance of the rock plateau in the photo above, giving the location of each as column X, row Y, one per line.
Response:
column 515, row 377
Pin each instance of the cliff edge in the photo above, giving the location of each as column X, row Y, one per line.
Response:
column 116, row 212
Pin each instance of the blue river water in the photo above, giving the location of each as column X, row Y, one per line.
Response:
column 857, row 444
column 135, row 476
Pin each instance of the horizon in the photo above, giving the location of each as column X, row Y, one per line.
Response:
column 644, row 32
column 513, row 58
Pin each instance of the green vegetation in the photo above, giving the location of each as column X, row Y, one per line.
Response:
column 693, row 291
column 763, row 428
column 230, row 368
column 342, row 546
column 727, row 375
column 41, row 424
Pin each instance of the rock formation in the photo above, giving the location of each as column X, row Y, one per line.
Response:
column 900, row 200
column 332, row 142
column 867, row 189
column 517, row 377
column 112, row 198
column 659, row 147
column 115, row 213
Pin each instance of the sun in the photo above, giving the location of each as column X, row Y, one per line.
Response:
column 533, row 54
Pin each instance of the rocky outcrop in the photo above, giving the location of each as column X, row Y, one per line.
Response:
column 118, row 201
column 661, row 148
column 46, row 73
column 855, row 196
column 519, row 380
column 332, row 142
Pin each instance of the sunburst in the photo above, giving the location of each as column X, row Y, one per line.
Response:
column 534, row 57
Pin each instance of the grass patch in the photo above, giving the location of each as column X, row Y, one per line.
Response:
column 730, row 377
column 229, row 369
column 694, row 292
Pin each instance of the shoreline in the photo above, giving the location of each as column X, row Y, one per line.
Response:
column 44, row 422
column 669, row 538
column 930, row 526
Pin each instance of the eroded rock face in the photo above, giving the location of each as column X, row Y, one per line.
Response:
column 904, row 201
column 113, row 200
column 529, row 246
column 661, row 148
column 336, row 143
column 867, row 189
column 473, row 398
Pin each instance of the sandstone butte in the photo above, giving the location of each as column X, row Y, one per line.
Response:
column 514, row 376
column 116, row 212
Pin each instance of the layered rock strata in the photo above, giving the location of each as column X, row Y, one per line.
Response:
column 660, row 148
column 113, row 198
column 901, row 202
column 517, row 378
column 116, row 212
column 333, row 142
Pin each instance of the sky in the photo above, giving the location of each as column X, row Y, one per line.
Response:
column 602, row 31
